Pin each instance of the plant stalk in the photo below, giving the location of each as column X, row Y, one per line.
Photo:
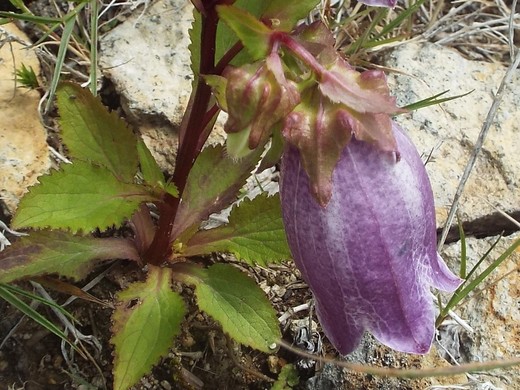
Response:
column 192, row 129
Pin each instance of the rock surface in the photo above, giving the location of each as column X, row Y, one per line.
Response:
column 24, row 154
column 492, row 310
column 147, row 59
column 448, row 132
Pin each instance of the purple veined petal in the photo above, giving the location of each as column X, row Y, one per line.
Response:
column 380, row 3
column 370, row 256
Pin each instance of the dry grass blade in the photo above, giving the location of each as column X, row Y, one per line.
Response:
column 479, row 29
column 407, row 373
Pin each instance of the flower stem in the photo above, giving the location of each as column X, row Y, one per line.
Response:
column 190, row 133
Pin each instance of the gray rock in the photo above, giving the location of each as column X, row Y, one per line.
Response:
column 492, row 310
column 148, row 60
column 448, row 132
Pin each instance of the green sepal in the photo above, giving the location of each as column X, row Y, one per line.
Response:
column 55, row 252
column 275, row 151
column 218, row 86
column 79, row 197
column 284, row 14
column 238, row 304
column 147, row 318
column 254, row 35
column 255, row 233
column 93, row 134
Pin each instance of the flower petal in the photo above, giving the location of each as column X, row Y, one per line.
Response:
column 370, row 255
column 380, row 3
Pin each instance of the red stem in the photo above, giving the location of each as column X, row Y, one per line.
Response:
column 190, row 133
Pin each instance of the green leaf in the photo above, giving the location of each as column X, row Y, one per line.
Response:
column 218, row 87
column 194, row 47
column 54, row 252
column 254, row 35
column 286, row 13
column 238, row 304
column 213, row 183
column 79, row 197
column 147, row 319
column 287, row 379
column 255, row 233
column 152, row 174
column 275, row 151
column 93, row 134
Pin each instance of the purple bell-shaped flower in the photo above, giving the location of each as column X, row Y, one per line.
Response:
column 369, row 255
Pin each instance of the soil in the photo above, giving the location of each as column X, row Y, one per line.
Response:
column 202, row 357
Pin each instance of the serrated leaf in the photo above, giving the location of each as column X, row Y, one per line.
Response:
column 93, row 134
column 79, row 197
column 152, row 174
column 238, row 304
column 147, row 319
column 194, row 47
column 254, row 35
column 288, row 12
column 54, row 252
column 213, row 183
column 255, row 233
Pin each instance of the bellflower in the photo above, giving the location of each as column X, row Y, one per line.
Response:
column 370, row 255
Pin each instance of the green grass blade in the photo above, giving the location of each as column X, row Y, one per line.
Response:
column 484, row 257
column 463, row 253
column 346, row 21
column 29, row 18
column 466, row 287
column 26, row 294
column 16, row 302
column 432, row 100
column 70, row 21
column 360, row 42
column 371, row 44
column 18, row 4
column 473, row 284
column 399, row 19
column 48, row 31
column 93, row 46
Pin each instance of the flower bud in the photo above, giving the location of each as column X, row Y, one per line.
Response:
column 370, row 255
column 257, row 97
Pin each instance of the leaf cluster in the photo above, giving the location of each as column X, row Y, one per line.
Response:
column 109, row 182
